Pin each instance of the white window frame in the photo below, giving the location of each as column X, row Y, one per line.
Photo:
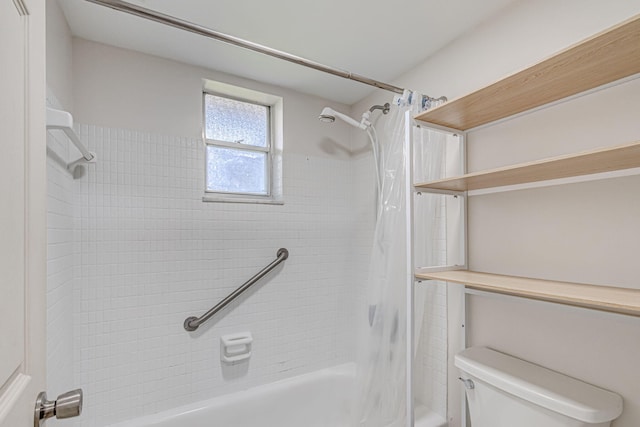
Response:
column 274, row 147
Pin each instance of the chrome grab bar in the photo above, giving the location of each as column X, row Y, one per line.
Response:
column 192, row 323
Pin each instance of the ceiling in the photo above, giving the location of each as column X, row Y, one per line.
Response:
column 375, row 38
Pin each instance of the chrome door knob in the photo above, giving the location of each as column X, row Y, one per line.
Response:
column 67, row 405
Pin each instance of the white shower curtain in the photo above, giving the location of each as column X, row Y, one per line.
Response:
column 382, row 352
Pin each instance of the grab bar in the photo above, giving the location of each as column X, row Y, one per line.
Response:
column 192, row 323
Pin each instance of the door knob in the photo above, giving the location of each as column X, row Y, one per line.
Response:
column 67, row 405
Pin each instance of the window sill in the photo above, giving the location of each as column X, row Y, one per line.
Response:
column 241, row 199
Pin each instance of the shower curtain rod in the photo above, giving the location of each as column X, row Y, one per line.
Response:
column 172, row 21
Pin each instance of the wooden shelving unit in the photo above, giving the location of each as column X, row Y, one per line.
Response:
column 604, row 298
column 604, row 58
column 599, row 60
column 585, row 163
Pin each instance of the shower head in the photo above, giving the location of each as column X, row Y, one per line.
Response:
column 329, row 115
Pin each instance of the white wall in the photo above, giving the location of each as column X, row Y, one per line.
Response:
column 59, row 54
column 581, row 232
column 523, row 34
column 150, row 252
column 129, row 90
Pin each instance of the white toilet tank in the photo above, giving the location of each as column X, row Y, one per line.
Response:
column 509, row 392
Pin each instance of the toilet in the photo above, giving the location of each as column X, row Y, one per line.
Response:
column 503, row 391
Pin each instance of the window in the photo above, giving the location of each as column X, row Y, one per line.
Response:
column 243, row 145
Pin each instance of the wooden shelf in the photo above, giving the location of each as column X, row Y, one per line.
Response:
column 604, row 298
column 604, row 58
column 588, row 162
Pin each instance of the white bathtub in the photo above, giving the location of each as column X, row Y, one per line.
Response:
column 318, row 399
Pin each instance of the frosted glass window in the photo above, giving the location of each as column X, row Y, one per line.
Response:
column 231, row 170
column 242, row 131
column 235, row 121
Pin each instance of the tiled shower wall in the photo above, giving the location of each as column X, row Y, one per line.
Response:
column 149, row 253
column 60, row 262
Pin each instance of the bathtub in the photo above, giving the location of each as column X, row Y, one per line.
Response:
column 318, row 399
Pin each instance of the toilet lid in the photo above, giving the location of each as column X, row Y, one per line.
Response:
column 541, row 386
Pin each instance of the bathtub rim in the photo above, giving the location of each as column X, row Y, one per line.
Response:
column 149, row 420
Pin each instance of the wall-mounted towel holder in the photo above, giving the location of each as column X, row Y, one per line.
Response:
column 62, row 120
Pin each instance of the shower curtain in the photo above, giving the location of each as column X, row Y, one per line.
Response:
column 382, row 369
